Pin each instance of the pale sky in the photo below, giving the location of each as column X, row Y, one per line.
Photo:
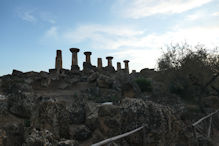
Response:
column 32, row 30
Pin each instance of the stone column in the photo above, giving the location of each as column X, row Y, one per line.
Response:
column 109, row 59
column 88, row 54
column 74, row 52
column 126, row 65
column 58, row 64
column 118, row 66
column 99, row 63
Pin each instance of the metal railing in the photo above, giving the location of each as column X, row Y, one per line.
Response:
column 111, row 140
column 199, row 127
column 204, row 125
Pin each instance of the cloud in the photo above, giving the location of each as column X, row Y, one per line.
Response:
column 141, row 8
column 147, row 49
column 47, row 17
column 27, row 15
column 108, row 37
column 35, row 15
column 215, row 14
column 195, row 16
column 52, row 32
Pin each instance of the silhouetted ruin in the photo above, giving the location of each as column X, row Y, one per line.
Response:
column 87, row 64
column 118, row 66
column 58, row 65
column 99, row 63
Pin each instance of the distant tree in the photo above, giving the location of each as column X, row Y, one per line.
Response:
column 189, row 71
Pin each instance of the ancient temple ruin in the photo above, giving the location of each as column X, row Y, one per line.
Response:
column 87, row 63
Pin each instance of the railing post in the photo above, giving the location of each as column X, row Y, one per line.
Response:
column 209, row 127
column 109, row 144
column 144, row 138
column 194, row 131
column 110, row 140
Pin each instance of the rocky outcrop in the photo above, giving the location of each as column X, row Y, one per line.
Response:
column 39, row 138
column 21, row 104
column 82, row 133
column 109, row 120
column 161, row 125
column 11, row 134
column 104, row 82
column 72, row 108
column 52, row 116
column 92, row 115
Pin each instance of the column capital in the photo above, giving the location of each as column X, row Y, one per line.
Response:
column 126, row 61
column 58, row 51
column 109, row 57
column 126, row 65
column 74, row 50
column 87, row 53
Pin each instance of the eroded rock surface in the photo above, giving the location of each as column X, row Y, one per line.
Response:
column 79, row 108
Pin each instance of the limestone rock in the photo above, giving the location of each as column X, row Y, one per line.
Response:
column 21, row 104
column 44, row 74
column 76, row 112
column 108, row 95
column 109, row 120
column 92, row 115
column 13, row 134
column 52, row 116
column 88, row 68
column 211, row 102
column 130, row 90
column 16, row 73
column 45, row 82
column 3, row 137
column 3, row 106
column 161, row 125
column 62, row 85
column 82, row 133
column 104, row 82
column 0, row 84
column 39, row 138
column 93, row 77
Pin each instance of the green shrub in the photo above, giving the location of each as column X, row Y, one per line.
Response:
column 188, row 71
column 27, row 123
column 144, row 84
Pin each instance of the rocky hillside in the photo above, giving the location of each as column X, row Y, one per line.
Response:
column 79, row 108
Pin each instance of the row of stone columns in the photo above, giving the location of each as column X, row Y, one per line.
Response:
column 74, row 65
